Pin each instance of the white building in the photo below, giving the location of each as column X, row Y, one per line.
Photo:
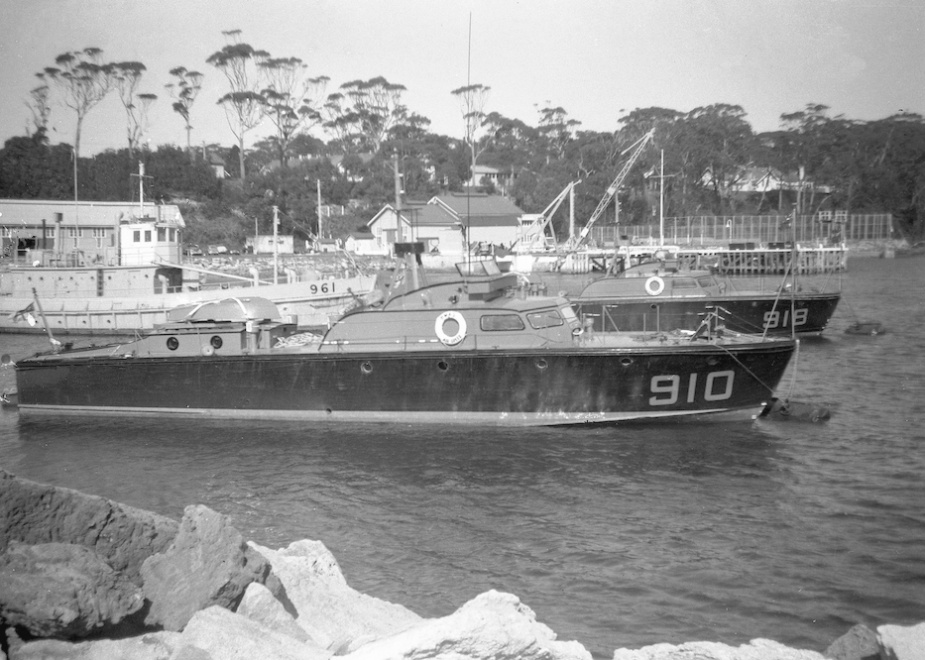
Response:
column 449, row 224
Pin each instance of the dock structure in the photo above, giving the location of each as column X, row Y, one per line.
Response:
column 736, row 259
column 763, row 261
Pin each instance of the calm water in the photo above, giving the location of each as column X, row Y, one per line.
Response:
column 615, row 537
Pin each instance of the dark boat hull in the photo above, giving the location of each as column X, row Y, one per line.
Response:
column 807, row 315
column 531, row 387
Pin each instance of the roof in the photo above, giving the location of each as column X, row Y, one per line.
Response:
column 489, row 221
column 420, row 214
column 475, row 210
column 477, row 204
column 31, row 212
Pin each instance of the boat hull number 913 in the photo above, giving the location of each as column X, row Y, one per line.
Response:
column 714, row 386
column 781, row 319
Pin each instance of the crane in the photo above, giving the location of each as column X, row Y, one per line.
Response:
column 535, row 234
column 575, row 242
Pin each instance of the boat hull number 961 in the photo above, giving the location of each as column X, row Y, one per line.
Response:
column 714, row 386
column 778, row 319
column 323, row 287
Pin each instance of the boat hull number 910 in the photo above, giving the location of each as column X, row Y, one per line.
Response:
column 714, row 386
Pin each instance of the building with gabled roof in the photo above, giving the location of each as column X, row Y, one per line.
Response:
column 449, row 223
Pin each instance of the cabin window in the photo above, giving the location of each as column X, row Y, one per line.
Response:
column 706, row 281
column 136, row 236
column 147, row 235
column 492, row 322
column 546, row 318
column 172, row 234
column 684, row 283
column 568, row 313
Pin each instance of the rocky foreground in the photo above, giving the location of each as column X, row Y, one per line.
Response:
column 82, row 577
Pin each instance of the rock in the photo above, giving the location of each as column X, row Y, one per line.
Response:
column 34, row 513
column 261, row 606
column 208, row 564
column 151, row 646
column 902, row 642
column 62, row 590
column 493, row 625
column 335, row 615
column 859, row 643
column 757, row 649
column 224, row 635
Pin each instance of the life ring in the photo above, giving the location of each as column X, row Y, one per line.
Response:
column 450, row 340
column 655, row 285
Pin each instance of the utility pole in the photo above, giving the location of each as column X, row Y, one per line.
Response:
column 398, row 232
column 320, row 220
column 275, row 245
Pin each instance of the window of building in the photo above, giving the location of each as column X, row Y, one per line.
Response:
column 161, row 234
column 147, row 235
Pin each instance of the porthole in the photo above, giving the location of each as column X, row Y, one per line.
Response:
column 216, row 342
column 173, row 343
column 366, row 367
column 541, row 364
column 712, row 361
column 442, row 365
column 627, row 361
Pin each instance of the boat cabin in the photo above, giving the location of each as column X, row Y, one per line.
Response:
column 485, row 309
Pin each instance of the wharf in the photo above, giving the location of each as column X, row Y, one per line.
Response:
column 741, row 259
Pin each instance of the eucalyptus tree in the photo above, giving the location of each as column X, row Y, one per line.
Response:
column 244, row 104
column 40, row 107
column 557, row 129
column 84, row 80
column 472, row 101
column 292, row 100
column 361, row 115
column 126, row 78
column 718, row 142
column 184, row 93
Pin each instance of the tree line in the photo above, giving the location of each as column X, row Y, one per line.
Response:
column 699, row 156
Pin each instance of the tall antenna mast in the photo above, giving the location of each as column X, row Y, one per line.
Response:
column 471, row 145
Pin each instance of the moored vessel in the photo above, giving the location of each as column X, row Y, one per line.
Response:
column 473, row 351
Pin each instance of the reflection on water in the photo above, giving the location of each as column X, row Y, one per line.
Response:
column 618, row 536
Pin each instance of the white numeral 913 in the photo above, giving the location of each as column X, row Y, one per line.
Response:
column 778, row 319
column 717, row 386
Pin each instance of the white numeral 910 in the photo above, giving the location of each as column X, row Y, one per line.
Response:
column 717, row 386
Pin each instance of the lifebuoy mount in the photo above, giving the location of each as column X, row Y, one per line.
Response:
column 655, row 285
column 442, row 335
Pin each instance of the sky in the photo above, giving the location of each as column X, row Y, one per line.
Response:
column 597, row 59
